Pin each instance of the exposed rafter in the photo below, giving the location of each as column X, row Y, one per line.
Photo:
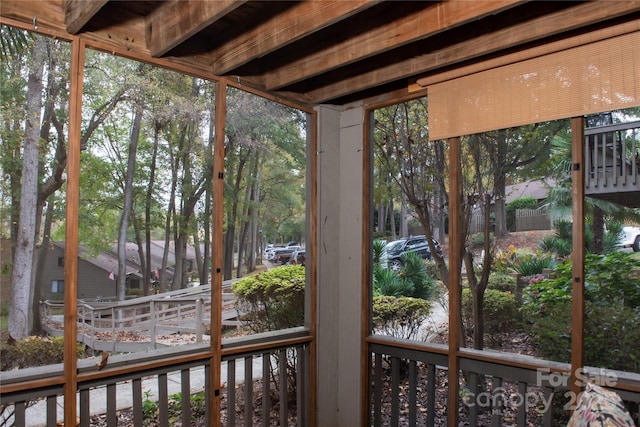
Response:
column 177, row 20
column 79, row 12
column 432, row 20
column 548, row 25
column 299, row 21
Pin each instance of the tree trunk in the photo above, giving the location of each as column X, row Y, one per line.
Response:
column 19, row 311
column 128, row 205
column 598, row 230
column 146, row 286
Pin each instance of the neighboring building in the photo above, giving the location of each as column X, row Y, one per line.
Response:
column 536, row 188
column 96, row 275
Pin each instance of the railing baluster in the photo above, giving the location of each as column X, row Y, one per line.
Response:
column 231, row 393
column 412, row 392
column 548, row 416
column 395, row 391
column 207, row 395
column 248, row 391
column 301, row 385
column 266, row 399
column 152, row 328
column 522, row 409
column 185, row 400
column 473, row 407
column 136, row 388
column 52, row 410
column 112, row 407
column 19, row 414
column 85, row 412
column 496, row 397
column 282, row 367
column 163, row 399
column 431, row 394
column 377, row 390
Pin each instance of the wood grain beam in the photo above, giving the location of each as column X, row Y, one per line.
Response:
column 296, row 22
column 433, row 19
column 78, row 12
column 581, row 15
column 177, row 20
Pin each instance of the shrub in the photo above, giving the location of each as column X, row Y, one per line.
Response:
column 414, row 270
column 413, row 279
column 532, row 263
column 134, row 292
column 378, row 246
column 35, row 351
column 476, row 241
column 400, row 317
column 272, row 300
column 502, row 282
column 499, row 313
column 612, row 313
column 387, row 282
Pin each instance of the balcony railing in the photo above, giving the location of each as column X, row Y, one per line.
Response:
column 409, row 386
column 264, row 379
column 612, row 163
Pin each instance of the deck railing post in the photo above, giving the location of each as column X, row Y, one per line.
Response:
column 152, row 327
column 199, row 320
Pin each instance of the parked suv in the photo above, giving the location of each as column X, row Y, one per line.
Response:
column 393, row 252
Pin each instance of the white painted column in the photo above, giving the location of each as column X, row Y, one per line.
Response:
column 339, row 310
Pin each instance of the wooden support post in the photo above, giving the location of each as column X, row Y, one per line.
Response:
column 577, row 253
column 455, row 266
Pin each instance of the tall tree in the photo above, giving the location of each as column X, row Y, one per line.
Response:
column 21, row 283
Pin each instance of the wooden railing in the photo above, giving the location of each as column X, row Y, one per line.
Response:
column 100, row 323
column 148, row 384
column 409, row 386
column 612, row 158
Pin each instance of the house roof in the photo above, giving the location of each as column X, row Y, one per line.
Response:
column 322, row 51
column 537, row 188
column 107, row 261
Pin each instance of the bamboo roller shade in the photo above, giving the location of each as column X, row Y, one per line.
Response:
column 599, row 76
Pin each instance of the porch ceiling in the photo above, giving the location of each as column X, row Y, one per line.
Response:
column 327, row 51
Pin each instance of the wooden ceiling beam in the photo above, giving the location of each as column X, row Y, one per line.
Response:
column 296, row 22
column 177, row 20
column 581, row 15
column 78, row 12
column 433, row 19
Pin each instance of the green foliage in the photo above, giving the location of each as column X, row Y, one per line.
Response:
column 523, row 261
column 134, row 292
column 272, row 300
column 149, row 408
column 502, row 282
column 561, row 242
column 389, row 283
column 378, row 246
column 35, row 351
column 400, row 317
column 612, row 312
column 499, row 313
column 413, row 279
column 414, row 270
column 532, row 263
column 560, row 247
column 524, row 202
column 476, row 241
